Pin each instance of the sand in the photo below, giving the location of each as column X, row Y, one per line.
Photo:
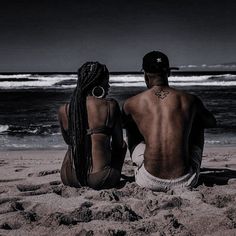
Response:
column 33, row 200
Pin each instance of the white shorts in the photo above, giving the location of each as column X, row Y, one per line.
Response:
column 144, row 179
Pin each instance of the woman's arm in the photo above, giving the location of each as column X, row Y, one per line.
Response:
column 63, row 121
column 117, row 133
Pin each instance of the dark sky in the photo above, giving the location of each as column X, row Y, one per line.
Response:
column 56, row 35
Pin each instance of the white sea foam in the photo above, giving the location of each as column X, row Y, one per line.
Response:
column 126, row 78
column 138, row 84
column 64, row 81
column 38, row 82
column 204, row 80
column 212, row 141
column 142, row 84
column 217, row 66
column 3, row 128
column 68, row 86
column 214, row 83
column 188, row 78
column 223, row 66
column 15, row 76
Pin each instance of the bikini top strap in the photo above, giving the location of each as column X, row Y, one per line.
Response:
column 65, row 133
column 99, row 130
column 66, row 110
column 108, row 114
column 105, row 129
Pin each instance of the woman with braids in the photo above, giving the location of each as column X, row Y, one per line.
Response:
column 91, row 126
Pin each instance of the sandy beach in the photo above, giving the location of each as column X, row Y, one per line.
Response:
column 33, row 200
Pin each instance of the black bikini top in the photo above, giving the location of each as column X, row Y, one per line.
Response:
column 104, row 129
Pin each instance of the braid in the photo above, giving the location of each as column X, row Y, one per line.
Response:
column 89, row 75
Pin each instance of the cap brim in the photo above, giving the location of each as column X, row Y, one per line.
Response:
column 174, row 68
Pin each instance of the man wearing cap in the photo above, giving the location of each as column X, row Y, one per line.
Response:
column 165, row 130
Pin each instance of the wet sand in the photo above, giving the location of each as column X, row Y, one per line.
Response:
column 33, row 200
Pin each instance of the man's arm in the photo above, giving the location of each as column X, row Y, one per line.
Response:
column 134, row 137
column 125, row 116
column 118, row 145
column 204, row 117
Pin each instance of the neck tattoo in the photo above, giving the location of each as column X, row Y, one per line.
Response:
column 160, row 93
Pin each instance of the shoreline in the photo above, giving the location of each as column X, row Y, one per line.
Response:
column 207, row 148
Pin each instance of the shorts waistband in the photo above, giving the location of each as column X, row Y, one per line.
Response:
column 144, row 174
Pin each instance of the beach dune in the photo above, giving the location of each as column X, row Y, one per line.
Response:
column 33, row 200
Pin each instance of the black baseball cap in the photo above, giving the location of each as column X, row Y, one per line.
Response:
column 155, row 61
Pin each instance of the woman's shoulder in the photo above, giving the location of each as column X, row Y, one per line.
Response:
column 111, row 103
column 63, row 109
column 111, row 100
column 91, row 99
column 114, row 105
column 103, row 103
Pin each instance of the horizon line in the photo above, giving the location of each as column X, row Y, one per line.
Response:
column 213, row 72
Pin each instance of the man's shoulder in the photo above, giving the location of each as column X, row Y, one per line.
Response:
column 185, row 94
column 136, row 97
column 134, row 100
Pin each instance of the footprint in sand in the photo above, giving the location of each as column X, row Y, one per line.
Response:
column 10, row 180
column 3, row 162
column 116, row 212
column 104, row 195
column 3, row 189
column 29, row 187
column 20, row 168
column 81, row 214
column 9, row 199
column 39, row 189
column 67, row 192
column 44, row 173
column 10, row 205
column 18, row 219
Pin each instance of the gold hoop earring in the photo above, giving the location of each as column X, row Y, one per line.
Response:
column 94, row 92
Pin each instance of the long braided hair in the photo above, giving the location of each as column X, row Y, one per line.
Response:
column 90, row 75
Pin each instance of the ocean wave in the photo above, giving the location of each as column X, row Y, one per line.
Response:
column 35, row 81
column 221, row 142
column 212, row 142
column 214, row 83
column 223, row 66
column 15, row 76
column 29, row 130
column 188, row 78
column 205, row 66
column 225, row 77
column 69, row 81
column 183, row 84
column 3, row 128
column 17, row 146
column 188, row 66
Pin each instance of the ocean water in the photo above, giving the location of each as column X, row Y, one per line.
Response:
column 29, row 104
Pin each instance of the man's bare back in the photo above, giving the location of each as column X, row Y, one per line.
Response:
column 164, row 117
column 168, row 121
